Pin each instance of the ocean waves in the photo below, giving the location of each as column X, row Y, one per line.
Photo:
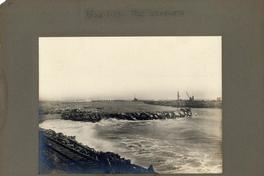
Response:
column 171, row 146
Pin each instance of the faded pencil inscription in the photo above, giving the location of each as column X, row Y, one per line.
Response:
column 95, row 13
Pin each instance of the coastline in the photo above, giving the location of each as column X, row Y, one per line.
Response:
column 60, row 153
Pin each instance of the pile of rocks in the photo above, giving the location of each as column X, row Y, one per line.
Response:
column 86, row 159
column 79, row 115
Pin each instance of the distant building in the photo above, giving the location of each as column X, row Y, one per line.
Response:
column 135, row 99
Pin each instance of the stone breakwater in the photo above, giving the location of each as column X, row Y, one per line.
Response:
column 79, row 115
column 63, row 153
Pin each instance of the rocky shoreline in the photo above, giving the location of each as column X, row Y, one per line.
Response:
column 60, row 153
column 80, row 115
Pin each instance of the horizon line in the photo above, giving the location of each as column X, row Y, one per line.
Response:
column 138, row 99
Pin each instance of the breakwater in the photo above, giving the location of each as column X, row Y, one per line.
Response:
column 80, row 115
column 63, row 153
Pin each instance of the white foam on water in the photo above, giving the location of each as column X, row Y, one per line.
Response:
column 172, row 146
column 83, row 131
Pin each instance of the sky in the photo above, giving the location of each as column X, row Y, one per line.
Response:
column 2, row 1
column 91, row 68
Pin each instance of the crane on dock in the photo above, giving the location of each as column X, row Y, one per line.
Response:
column 191, row 98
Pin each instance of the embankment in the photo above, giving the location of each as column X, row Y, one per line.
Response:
column 63, row 154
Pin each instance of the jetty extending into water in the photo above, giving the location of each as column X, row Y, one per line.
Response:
column 97, row 110
column 80, row 115
column 61, row 153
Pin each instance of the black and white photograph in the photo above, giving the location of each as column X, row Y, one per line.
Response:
column 130, row 104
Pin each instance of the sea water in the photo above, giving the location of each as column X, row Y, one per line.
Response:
column 184, row 145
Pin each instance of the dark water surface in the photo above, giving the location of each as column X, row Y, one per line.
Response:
column 186, row 145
